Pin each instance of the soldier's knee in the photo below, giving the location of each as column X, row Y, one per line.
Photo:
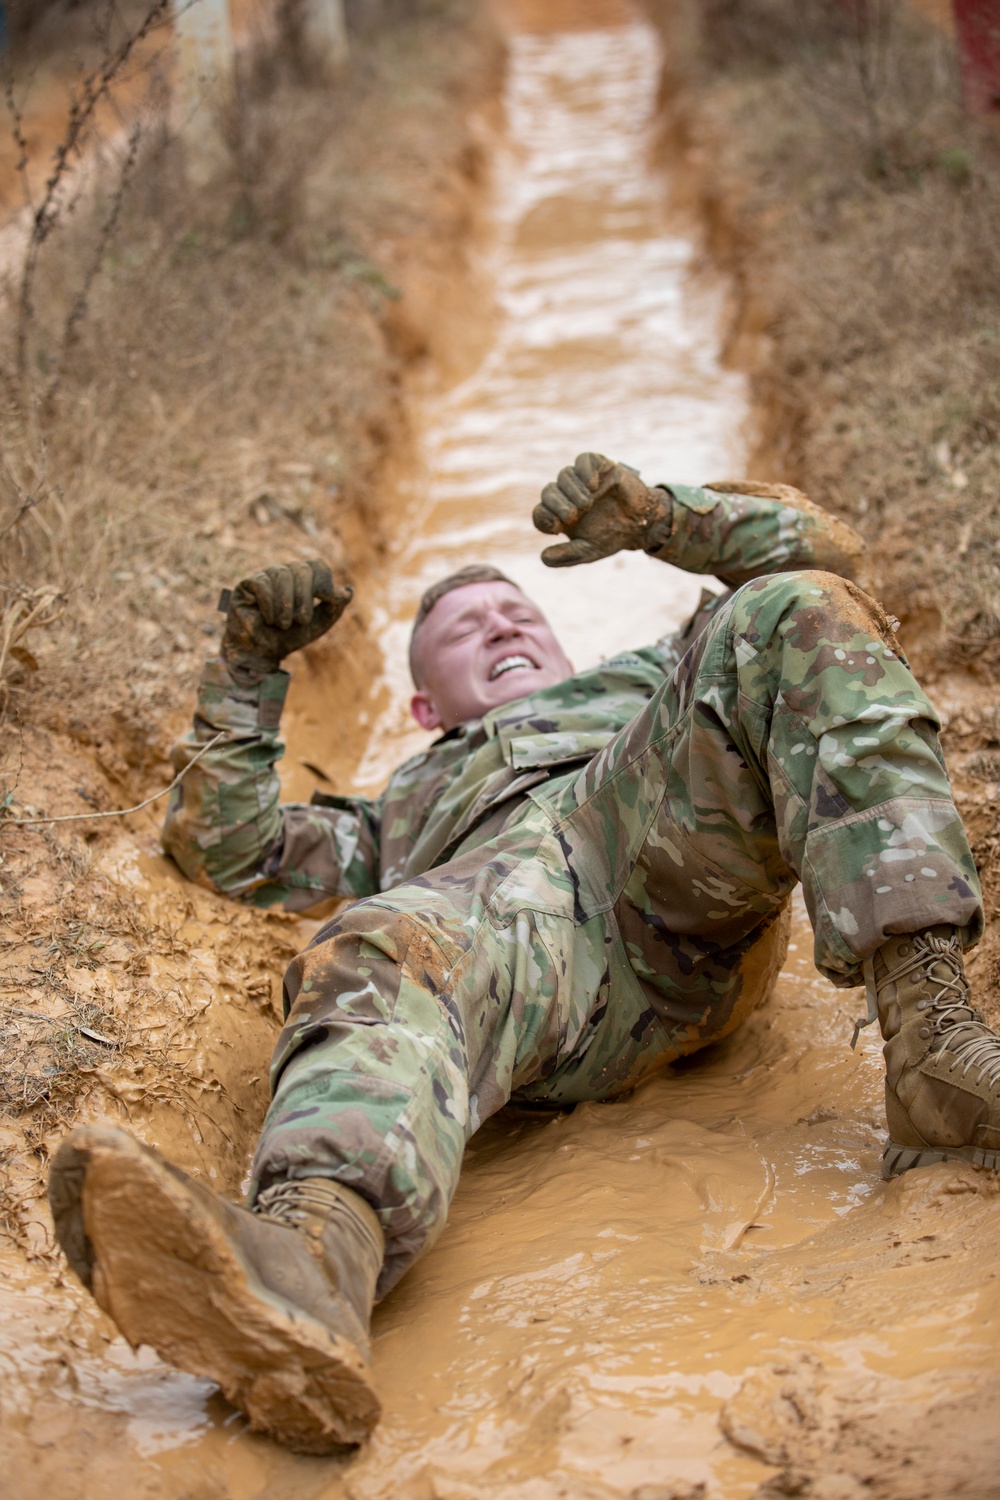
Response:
column 415, row 933
column 801, row 586
column 816, row 602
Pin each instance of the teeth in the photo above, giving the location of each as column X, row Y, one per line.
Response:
column 510, row 664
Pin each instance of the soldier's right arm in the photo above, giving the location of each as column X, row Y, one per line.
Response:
column 226, row 826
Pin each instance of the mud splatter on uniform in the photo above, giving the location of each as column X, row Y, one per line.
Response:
column 590, row 881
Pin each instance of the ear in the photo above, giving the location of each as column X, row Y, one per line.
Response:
column 423, row 710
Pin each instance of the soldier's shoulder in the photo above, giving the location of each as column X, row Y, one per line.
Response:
column 437, row 759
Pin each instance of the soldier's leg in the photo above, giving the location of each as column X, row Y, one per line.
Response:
column 794, row 741
column 416, row 1015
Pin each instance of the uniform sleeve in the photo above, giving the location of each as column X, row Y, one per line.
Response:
column 743, row 530
column 226, row 827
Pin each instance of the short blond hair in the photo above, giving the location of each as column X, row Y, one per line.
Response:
column 473, row 573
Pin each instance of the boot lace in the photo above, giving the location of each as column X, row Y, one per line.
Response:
column 292, row 1202
column 965, row 1039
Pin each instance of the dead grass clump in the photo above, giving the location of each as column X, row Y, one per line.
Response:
column 45, row 1060
column 985, row 767
column 11, row 1202
column 21, row 610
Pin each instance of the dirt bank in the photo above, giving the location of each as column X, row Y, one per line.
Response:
column 835, row 175
column 232, row 394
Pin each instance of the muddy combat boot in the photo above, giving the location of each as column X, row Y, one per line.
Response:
column 942, row 1062
column 274, row 1304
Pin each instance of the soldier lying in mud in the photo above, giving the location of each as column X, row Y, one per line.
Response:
column 582, row 879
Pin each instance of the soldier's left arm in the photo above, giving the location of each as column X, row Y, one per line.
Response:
column 743, row 529
column 736, row 530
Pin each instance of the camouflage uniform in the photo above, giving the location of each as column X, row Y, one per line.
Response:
column 588, row 882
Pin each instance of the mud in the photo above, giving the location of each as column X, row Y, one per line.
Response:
column 702, row 1290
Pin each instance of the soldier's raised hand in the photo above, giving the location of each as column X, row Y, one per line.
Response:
column 602, row 506
column 279, row 610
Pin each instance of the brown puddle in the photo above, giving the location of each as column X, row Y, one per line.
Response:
column 686, row 1287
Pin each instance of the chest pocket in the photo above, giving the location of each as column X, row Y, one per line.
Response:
column 528, row 752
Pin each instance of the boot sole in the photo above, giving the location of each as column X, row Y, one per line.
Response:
column 164, row 1269
column 898, row 1159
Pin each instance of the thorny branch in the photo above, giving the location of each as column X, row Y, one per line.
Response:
column 84, row 102
column 44, row 217
column 17, row 131
column 79, row 309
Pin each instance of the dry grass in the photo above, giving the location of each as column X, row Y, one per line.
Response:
column 43, row 1057
column 231, row 387
column 74, row 956
column 11, row 1203
column 863, row 207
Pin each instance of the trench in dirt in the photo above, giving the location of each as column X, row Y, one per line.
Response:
column 615, row 1280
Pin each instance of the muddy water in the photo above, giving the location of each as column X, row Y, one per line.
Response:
column 604, row 340
column 624, row 1290
column 610, row 1279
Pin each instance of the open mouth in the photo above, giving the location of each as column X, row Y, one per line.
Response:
column 511, row 664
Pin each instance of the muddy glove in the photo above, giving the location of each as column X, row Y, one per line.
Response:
column 277, row 611
column 603, row 508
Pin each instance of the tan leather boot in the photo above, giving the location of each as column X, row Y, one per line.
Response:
column 942, row 1062
column 273, row 1304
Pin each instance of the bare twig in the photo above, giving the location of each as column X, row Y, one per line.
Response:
column 28, row 499
column 872, row 26
column 37, row 608
column 118, row 812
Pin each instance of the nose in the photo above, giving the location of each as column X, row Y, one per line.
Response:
column 500, row 628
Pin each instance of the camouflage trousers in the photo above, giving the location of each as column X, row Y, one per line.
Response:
column 630, row 911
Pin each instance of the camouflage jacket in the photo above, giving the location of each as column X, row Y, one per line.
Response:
column 227, row 828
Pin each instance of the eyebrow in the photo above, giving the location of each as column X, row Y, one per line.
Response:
column 475, row 611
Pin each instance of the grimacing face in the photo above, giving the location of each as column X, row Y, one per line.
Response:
column 482, row 645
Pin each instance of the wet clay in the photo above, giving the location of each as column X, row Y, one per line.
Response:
column 703, row 1287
